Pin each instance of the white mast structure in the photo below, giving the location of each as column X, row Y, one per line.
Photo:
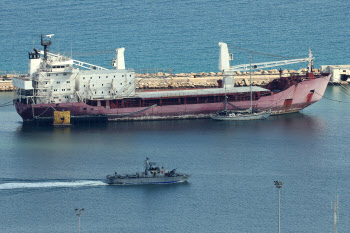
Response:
column 251, row 93
column 225, row 57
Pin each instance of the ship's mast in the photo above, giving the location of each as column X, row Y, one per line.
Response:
column 251, row 93
column 146, row 166
column 225, row 57
column 225, row 99
column 310, row 68
column 46, row 42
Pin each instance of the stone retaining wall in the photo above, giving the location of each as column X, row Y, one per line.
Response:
column 6, row 82
column 200, row 80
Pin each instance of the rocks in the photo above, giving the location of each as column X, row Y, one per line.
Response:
column 274, row 71
column 6, row 87
column 302, row 71
column 6, row 82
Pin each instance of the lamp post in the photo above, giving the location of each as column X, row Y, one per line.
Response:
column 278, row 185
column 79, row 213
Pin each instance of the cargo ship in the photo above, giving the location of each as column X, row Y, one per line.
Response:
column 59, row 83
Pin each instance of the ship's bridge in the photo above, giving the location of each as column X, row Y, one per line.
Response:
column 60, row 66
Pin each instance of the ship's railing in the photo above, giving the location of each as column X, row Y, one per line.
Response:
column 175, row 94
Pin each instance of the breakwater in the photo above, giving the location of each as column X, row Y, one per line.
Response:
column 207, row 80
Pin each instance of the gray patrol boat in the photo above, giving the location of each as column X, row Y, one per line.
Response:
column 153, row 174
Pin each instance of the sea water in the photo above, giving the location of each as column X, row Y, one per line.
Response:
column 45, row 172
column 182, row 35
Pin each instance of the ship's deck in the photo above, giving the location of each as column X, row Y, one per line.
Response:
column 196, row 92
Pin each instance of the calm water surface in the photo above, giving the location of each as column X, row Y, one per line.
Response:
column 180, row 34
column 47, row 172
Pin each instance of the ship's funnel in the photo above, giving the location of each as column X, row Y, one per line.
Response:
column 120, row 62
column 224, row 57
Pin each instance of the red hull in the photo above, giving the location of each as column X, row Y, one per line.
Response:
column 293, row 99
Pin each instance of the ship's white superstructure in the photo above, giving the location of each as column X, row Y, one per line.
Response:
column 54, row 78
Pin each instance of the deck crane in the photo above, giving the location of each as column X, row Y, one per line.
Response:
column 225, row 58
column 77, row 63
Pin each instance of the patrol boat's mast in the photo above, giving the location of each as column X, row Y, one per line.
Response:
column 146, row 166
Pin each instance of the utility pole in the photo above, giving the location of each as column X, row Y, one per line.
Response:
column 79, row 213
column 336, row 212
column 278, row 185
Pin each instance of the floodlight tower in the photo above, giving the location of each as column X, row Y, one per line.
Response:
column 79, row 213
column 278, row 185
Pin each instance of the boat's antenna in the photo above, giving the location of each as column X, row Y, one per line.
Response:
column 33, row 44
column 71, row 50
column 251, row 94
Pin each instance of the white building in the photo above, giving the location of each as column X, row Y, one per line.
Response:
column 340, row 73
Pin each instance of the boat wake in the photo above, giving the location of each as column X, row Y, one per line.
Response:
column 50, row 184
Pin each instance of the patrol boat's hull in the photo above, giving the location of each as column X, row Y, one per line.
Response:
column 148, row 180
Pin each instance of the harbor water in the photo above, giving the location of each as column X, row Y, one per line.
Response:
column 46, row 172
